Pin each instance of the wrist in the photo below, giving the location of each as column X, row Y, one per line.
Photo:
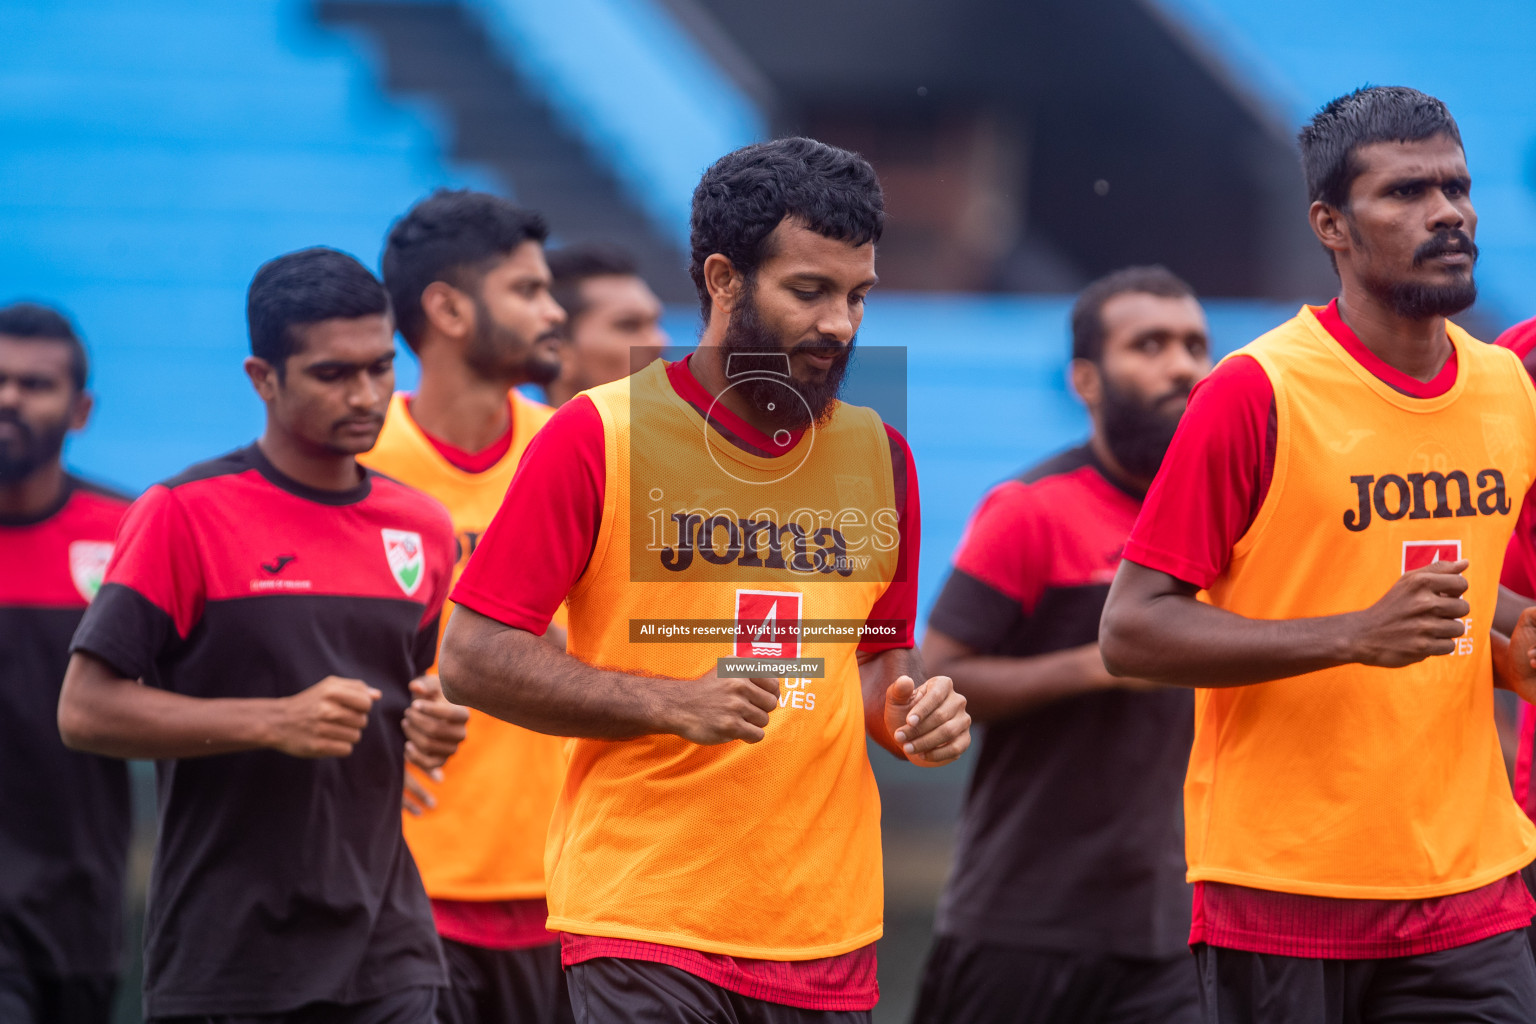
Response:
column 1346, row 647
column 266, row 723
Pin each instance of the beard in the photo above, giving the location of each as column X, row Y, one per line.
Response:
column 31, row 450
column 487, row 354
column 1138, row 431
column 748, row 336
column 1416, row 300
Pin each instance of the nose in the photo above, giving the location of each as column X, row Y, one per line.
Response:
column 10, row 394
column 553, row 312
column 1184, row 367
column 365, row 391
column 1445, row 215
column 836, row 323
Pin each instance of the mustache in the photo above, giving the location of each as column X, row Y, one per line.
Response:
column 14, row 419
column 369, row 420
column 1179, row 393
column 1443, row 243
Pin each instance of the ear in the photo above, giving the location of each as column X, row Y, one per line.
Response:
column 447, row 310
column 1088, row 382
column 263, row 377
column 81, row 414
column 724, row 283
column 1331, row 226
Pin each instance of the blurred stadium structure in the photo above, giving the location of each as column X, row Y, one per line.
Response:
column 153, row 154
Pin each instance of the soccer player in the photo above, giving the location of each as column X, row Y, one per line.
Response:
column 708, row 859
column 1343, row 489
column 613, row 318
column 64, row 816
column 470, row 289
column 261, row 622
column 1067, row 901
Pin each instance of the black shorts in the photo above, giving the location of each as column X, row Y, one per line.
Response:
column 610, row 990
column 408, row 1006
column 29, row 997
column 503, row 986
column 988, row 983
column 1487, row 982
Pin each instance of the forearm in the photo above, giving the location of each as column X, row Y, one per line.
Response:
column 876, row 674
column 103, row 713
column 998, row 688
column 518, row 677
column 1507, row 611
column 1175, row 639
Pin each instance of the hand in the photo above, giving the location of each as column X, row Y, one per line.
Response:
column 929, row 721
column 325, row 720
column 416, row 799
column 714, row 709
column 1416, row 618
column 1519, row 663
column 433, row 726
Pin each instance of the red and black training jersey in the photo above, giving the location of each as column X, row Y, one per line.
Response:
column 279, row 881
column 64, row 816
column 1071, row 836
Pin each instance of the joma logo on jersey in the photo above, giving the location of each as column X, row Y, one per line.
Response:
column 767, row 624
column 1425, row 496
column 758, row 543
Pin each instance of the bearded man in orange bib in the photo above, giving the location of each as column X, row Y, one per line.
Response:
column 737, row 551
column 1342, row 491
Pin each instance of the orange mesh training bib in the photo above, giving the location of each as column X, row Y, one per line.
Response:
column 767, row 850
column 1360, row 782
column 485, row 838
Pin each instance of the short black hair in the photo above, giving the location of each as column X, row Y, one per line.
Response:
column 1374, row 113
column 1088, row 310
column 306, row 287
column 454, row 236
column 573, row 264
column 33, row 321
column 746, row 194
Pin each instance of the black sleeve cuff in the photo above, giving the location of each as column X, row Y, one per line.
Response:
column 974, row 613
column 124, row 629
column 424, row 650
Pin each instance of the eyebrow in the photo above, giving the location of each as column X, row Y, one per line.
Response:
column 810, row 277
column 1428, row 181
column 342, row 364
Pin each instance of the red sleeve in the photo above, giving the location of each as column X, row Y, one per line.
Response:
column 899, row 602
column 1519, row 573
column 153, row 592
column 541, row 539
column 1521, row 338
column 1213, row 478
column 1006, row 545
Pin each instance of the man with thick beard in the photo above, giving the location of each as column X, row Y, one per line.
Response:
column 64, row 816
column 1343, row 490
column 731, row 541
column 471, row 292
column 1067, row 900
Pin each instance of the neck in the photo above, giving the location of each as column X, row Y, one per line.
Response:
column 708, row 366
column 319, row 468
column 458, row 406
column 1418, row 348
column 559, row 392
column 35, row 494
column 1112, row 466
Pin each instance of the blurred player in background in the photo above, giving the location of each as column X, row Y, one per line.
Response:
column 64, row 816
column 610, row 312
column 693, row 876
column 1067, row 902
column 466, row 274
column 257, row 633
column 1344, row 489
column 1519, row 576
